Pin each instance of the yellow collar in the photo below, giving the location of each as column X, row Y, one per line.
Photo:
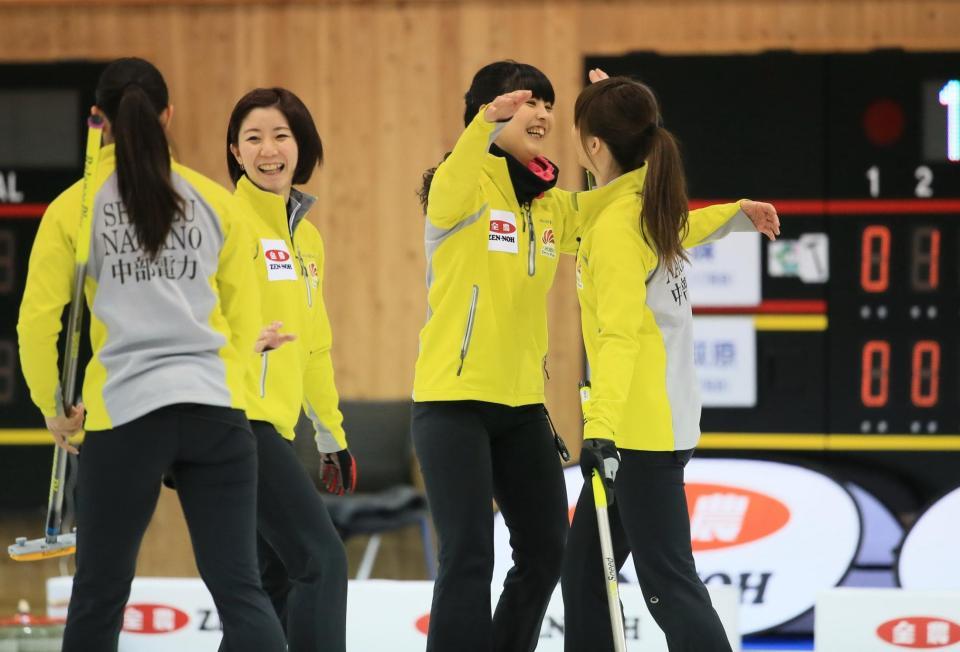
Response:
column 592, row 202
column 271, row 207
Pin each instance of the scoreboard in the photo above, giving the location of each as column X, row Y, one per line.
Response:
column 857, row 362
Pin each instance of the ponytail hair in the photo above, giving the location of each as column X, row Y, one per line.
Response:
column 624, row 114
column 132, row 94
column 491, row 81
column 424, row 192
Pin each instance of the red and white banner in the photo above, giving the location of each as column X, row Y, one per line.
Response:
column 178, row 614
column 885, row 620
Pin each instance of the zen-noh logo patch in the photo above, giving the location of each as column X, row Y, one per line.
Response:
column 153, row 619
column 919, row 632
column 278, row 260
column 502, row 234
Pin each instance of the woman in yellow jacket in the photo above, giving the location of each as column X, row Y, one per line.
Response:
column 642, row 417
column 272, row 143
column 495, row 225
column 167, row 281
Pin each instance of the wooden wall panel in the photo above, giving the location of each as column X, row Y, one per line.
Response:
column 385, row 81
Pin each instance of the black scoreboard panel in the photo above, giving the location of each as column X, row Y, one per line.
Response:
column 895, row 306
column 866, row 149
column 43, row 110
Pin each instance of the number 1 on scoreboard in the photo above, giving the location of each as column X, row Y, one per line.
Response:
column 950, row 98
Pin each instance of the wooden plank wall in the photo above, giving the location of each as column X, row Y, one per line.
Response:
column 384, row 81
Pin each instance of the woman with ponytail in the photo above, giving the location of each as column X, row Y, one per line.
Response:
column 642, row 410
column 167, row 283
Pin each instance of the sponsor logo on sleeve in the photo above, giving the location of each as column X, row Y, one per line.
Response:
column 502, row 235
column 278, row 261
column 919, row 632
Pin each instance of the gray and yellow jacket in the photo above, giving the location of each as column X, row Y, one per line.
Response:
column 638, row 322
column 490, row 264
column 170, row 330
column 289, row 271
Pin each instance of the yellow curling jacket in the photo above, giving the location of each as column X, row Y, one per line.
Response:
column 637, row 321
column 490, row 264
column 173, row 329
column 289, row 266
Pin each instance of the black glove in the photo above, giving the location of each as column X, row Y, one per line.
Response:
column 338, row 472
column 602, row 455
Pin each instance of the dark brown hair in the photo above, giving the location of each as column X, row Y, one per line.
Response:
column 624, row 114
column 491, row 81
column 132, row 94
column 309, row 146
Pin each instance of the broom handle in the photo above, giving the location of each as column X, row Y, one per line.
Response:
column 68, row 376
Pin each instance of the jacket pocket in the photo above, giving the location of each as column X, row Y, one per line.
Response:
column 263, row 374
column 468, row 331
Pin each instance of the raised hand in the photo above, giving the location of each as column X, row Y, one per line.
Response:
column 271, row 338
column 596, row 75
column 504, row 106
column 764, row 217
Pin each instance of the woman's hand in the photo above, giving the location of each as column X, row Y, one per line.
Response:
column 596, row 75
column 271, row 338
column 764, row 217
column 64, row 427
column 504, row 106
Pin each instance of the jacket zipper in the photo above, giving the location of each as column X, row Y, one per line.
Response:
column 303, row 271
column 468, row 331
column 531, row 240
column 263, row 374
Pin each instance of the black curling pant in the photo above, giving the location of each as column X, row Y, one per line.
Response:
column 471, row 452
column 303, row 563
column 648, row 518
column 213, row 457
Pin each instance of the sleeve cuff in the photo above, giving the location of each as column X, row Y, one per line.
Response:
column 596, row 430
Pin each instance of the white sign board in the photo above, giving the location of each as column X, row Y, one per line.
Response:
column 725, row 355
column 928, row 557
column 178, row 614
column 726, row 272
column 885, row 620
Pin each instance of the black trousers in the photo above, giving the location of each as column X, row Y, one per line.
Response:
column 471, row 452
column 212, row 454
column 648, row 518
column 303, row 563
